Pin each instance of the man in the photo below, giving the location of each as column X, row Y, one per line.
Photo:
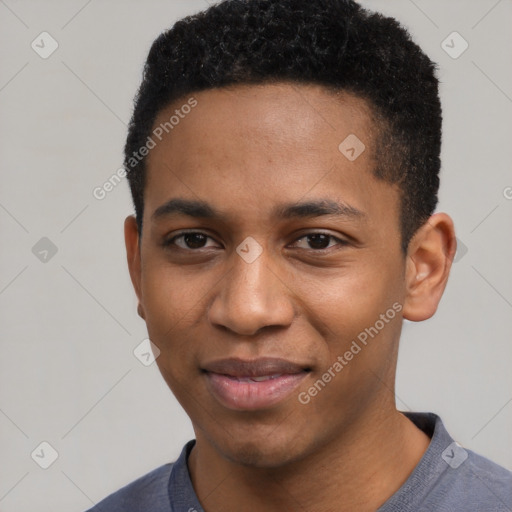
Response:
column 283, row 158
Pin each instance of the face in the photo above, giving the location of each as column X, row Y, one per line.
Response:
column 273, row 287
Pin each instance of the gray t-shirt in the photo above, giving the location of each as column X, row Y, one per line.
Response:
column 448, row 478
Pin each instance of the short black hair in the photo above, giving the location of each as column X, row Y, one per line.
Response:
column 334, row 43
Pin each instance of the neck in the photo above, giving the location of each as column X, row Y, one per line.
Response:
column 359, row 470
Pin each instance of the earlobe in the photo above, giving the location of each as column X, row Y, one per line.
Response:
column 131, row 238
column 428, row 265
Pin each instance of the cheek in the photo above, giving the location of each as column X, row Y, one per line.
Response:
column 342, row 306
column 171, row 304
column 359, row 319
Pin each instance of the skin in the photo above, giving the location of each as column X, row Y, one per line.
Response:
column 244, row 150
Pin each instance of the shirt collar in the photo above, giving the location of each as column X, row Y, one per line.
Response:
column 184, row 499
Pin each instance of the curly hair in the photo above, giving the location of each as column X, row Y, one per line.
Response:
column 334, row 43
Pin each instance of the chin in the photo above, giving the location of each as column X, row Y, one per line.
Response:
column 265, row 451
column 258, row 455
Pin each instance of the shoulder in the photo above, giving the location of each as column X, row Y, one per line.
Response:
column 150, row 490
column 479, row 482
column 450, row 477
column 462, row 477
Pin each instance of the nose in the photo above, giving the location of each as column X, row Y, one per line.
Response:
column 252, row 296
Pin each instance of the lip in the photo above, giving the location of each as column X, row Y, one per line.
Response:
column 251, row 385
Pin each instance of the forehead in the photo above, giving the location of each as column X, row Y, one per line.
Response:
column 269, row 113
column 261, row 145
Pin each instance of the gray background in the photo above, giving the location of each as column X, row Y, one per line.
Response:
column 68, row 375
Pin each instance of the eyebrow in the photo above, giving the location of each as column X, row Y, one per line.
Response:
column 203, row 210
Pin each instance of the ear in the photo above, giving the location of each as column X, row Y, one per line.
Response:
column 131, row 240
column 428, row 263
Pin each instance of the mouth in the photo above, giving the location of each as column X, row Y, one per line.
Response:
column 253, row 385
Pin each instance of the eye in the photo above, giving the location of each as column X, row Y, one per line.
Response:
column 319, row 241
column 195, row 240
column 189, row 240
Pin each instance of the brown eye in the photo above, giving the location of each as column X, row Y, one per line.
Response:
column 319, row 241
column 189, row 240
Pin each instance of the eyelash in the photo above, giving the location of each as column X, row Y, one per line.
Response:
column 171, row 242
